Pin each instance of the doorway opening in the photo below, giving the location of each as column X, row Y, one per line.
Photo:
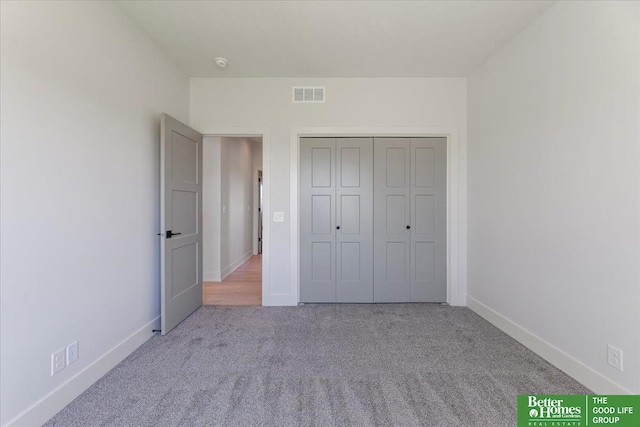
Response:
column 232, row 227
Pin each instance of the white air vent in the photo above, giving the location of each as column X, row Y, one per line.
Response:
column 309, row 94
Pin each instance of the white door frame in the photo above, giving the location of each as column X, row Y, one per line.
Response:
column 456, row 286
column 265, row 134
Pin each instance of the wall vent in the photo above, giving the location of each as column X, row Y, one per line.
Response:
column 309, row 94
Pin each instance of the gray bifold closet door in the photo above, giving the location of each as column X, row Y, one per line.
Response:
column 392, row 206
column 410, row 220
column 336, row 220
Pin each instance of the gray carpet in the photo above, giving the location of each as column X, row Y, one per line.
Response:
column 321, row 365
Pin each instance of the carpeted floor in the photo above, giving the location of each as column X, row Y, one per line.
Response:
column 321, row 365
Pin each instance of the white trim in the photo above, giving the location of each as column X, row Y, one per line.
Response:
column 44, row 409
column 234, row 265
column 212, row 276
column 582, row 373
column 265, row 134
column 278, row 300
column 456, row 279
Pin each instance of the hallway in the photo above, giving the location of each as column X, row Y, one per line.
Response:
column 242, row 287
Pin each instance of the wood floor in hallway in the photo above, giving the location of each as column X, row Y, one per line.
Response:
column 242, row 287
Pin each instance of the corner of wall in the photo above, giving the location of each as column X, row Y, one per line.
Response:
column 582, row 373
column 47, row 407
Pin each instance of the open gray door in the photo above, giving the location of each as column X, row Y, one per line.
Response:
column 180, row 222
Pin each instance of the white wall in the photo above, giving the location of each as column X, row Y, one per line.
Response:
column 82, row 92
column 554, row 186
column 212, row 210
column 227, row 103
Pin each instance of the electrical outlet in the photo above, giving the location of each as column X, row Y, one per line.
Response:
column 57, row 361
column 72, row 352
column 614, row 357
column 224, row 210
column 278, row 217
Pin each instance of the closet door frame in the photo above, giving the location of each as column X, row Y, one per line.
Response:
column 456, row 200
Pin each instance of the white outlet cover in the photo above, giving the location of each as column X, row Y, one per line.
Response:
column 614, row 357
column 72, row 352
column 278, row 217
column 58, row 361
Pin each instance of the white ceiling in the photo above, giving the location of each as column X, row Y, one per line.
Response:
column 333, row 38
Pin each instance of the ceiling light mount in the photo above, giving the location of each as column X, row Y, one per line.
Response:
column 221, row 62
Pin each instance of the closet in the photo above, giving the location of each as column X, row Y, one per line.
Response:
column 373, row 220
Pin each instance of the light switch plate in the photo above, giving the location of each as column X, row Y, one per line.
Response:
column 278, row 217
column 72, row 352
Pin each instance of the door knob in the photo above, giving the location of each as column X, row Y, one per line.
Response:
column 338, row 227
column 171, row 233
column 408, row 227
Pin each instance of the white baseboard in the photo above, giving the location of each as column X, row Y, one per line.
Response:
column 582, row 373
column 211, row 276
column 44, row 409
column 234, row 265
column 458, row 300
column 277, row 300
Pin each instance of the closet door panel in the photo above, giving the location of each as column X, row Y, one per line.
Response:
column 354, row 216
column 317, row 220
column 428, row 228
column 392, row 239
